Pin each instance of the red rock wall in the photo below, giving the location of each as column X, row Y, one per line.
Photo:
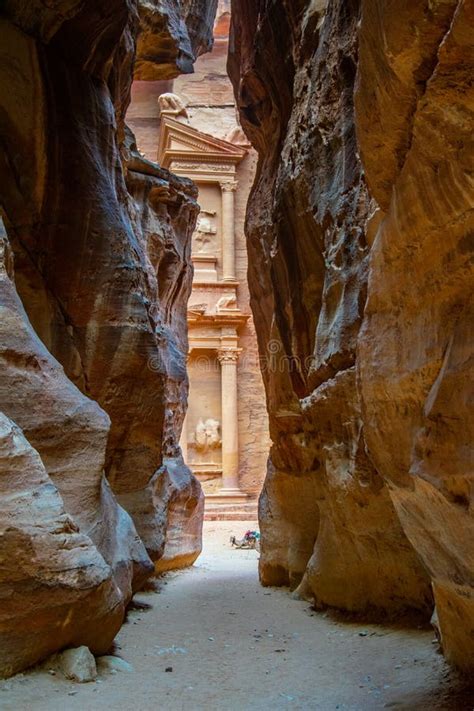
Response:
column 415, row 349
column 94, row 279
column 357, row 231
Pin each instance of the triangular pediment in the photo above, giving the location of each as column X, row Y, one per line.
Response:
column 181, row 141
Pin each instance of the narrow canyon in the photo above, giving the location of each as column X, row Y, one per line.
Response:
column 335, row 322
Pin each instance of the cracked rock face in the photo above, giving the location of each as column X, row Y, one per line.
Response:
column 94, row 278
column 358, row 239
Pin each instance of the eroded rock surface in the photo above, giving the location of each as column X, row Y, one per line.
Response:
column 69, row 432
column 42, row 550
column 415, row 349
column 358, row 238
column 94, row 279
column 173, row 33
column 169, row 509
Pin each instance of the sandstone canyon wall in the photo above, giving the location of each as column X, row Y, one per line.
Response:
column 94, row 278
column 359, row 231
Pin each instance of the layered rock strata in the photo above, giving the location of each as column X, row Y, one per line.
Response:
column 358, row 239
column 94, row 279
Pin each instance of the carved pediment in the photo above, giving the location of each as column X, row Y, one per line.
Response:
column 180, row 142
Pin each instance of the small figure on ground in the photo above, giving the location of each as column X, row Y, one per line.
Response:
column 251, row 540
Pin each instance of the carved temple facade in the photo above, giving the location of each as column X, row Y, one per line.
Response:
column 210, row 434
column 189, row 126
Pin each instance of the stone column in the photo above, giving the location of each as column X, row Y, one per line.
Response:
column 228, row 188
column 230, row 428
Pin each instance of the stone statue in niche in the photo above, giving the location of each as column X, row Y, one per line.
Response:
column 171, row 105
column 207, row 434
column 205, row 231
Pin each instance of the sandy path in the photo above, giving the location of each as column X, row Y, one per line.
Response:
column 234, row 645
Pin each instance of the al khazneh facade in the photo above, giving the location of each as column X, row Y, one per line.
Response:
column 189, row 126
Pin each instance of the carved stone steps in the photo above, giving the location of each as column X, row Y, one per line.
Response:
column 231, row 512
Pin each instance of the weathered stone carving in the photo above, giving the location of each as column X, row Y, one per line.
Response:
column 228, row 355
column 199, row 166
column 238, row 137
column 207, row 434
column 198, row 309
column 226, row 302
column 229, row 186
column 171, row 105
column 204, row 223
column 205, row 231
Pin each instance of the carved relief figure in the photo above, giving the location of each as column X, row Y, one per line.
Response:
column 197, row 309
column 226, row 302
column 171, row 105
column 205, row 231
column 207, row 434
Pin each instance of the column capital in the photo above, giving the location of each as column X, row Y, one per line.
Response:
column 228, row 355
column 228, row 186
